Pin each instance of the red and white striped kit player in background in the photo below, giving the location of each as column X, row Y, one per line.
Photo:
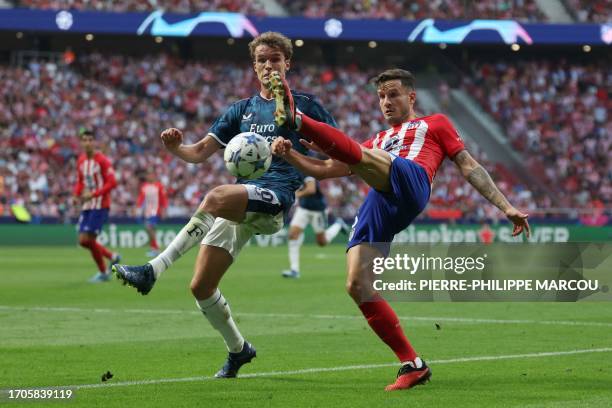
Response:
column 153, row 201
column 95, row 181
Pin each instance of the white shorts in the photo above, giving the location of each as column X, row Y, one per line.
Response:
column 303, row 217
column 233, row 236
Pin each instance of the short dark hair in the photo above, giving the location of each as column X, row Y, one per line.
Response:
column 274, row 40
column 406, row 77
column 86, row 132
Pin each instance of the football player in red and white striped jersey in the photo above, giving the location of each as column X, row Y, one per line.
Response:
column 95, row 180
column 399, row 164
column 153, row 201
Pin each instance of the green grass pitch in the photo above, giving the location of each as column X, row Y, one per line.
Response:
column 313, row 347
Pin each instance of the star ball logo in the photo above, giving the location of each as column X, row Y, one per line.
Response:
column 333, row 27
column 64, row 20
column 606, row 33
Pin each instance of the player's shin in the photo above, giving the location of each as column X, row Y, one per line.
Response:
column 332, row 141
column 188, row 237
column 218, row 313
column 332, row 231
column 294, row 252
column 104, row 251
column 385, row 323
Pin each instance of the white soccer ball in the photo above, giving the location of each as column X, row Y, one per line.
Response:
column 247, row 155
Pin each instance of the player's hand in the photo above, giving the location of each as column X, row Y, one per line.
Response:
column 281, row 147
column 520, row 222
column 172, row 138
column 86, row 196
column 311, row 146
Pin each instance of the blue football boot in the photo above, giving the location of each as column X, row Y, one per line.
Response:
column 140, row 277
column 236, row 360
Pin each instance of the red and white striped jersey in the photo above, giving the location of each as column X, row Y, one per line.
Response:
column 153, row 197
column 98, row 177
column 426, row 141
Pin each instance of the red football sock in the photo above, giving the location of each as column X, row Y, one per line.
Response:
column 154, row 244
column 383, row 320
column 334, row 143
column 104, row 251
column 95, row 254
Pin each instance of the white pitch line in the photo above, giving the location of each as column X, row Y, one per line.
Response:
column 466, row 320
column 330, row 369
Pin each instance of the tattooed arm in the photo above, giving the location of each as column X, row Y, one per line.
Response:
column 480, row 179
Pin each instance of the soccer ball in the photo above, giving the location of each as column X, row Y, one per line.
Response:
column 247, row 155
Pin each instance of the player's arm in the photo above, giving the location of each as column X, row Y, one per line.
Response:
column 110, row 182
column 319, row 169
column 478, row 177
column 199, row 152
column 78, row 187
column 309, row 188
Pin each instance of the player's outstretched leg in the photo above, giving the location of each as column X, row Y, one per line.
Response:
column 332, row 141
column 143, row 277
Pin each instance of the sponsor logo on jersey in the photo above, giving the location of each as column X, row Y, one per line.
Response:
column 265, row 128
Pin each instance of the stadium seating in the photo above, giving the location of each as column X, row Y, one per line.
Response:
column 558, row 116
column 524, row 10
column 252, row 7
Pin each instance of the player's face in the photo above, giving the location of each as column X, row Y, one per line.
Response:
column 87, row 143
column 268, row 59
column 396, row 101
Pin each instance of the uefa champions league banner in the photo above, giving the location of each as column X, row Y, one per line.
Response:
column 159, row 23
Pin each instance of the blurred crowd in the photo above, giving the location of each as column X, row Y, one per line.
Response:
column 596, row 11
column 41, row 112
column 558, row 116
column 128, row 101
column 523, row 10
column 250, row 7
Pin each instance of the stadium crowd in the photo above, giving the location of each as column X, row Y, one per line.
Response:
column 597, row 11
column 523, row 10
column 558, row 116
column 251, row 7
column 129, row 100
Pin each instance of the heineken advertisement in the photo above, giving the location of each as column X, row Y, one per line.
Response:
column 134, row 236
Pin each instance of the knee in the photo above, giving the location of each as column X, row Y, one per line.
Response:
column 359, row 289
column 85, row 242
column 200, row 290
column 354, row 288
column 294, row 233
column 214, row 201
